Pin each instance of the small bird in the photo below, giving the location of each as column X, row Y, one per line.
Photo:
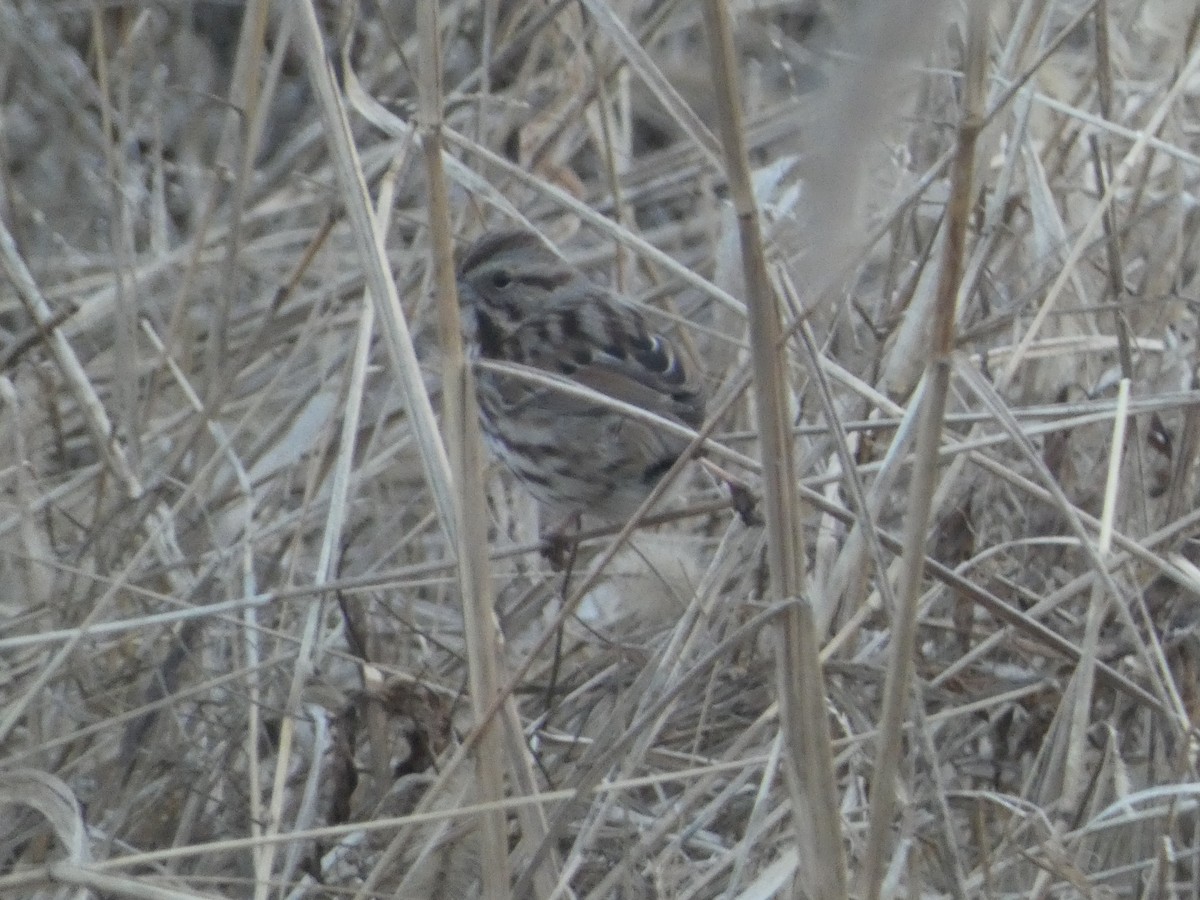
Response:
column 523, row 304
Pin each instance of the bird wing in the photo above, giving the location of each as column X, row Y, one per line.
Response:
column 603, row 343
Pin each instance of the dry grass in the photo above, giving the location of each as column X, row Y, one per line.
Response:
column 234, row 661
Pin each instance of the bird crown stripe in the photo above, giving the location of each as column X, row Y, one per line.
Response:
column 492, row 244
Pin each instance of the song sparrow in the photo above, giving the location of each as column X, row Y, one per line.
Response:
column 523, row 304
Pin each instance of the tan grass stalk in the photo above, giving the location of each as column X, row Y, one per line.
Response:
column 1083, row 682
column 108, row 449
column 595, row 769
column 437, row 467
column 116, row 89
column 1088, row 232
column 251, row 645
column 236, row 153
column 76, row 378
column 808, row 760
column 150, row 645
column 636, row 57
column 1148, row 649
column 393, row 327
column 864, row 532
column 92, row 883
column 574, row 389
column 464, row 446
column 566, row 201
column 898, row 687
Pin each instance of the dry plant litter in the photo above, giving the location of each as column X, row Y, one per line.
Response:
column 234, row 660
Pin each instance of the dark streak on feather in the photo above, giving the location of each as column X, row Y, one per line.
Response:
column 547, row 281
column 650, row 354
column 656, row 470
column 615, row 350
column 491, row 338
column 569, row 319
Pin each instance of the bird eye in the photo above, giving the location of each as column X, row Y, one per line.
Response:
column 501, row 279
